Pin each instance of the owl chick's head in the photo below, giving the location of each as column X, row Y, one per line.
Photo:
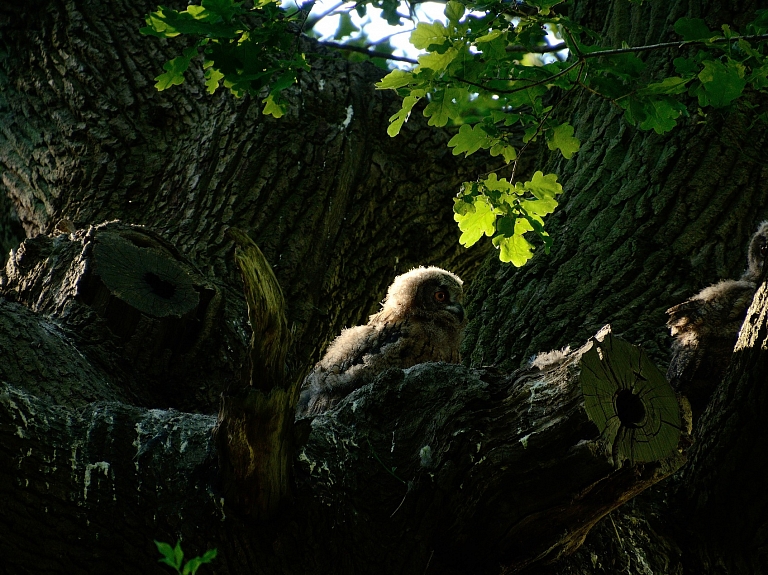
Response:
column 758, row 250
column 425, row 292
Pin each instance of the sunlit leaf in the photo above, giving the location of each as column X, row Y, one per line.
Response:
column 539, row 207
column 272, row 107
column 395, row 79
column 454, row 11
column 469, row 140
column 492, row 35
column 561, row 138
column 426, row 35
column 476, row 223
column 442, row 107
column 437, row 61
column 514, row 249
column 212, row 79
column 506, row 151
column 175, row 69
column 493, row 182
column 396, row 121
column 543, row 187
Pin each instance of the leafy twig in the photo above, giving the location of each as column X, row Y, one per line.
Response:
column 544, row 119
column 531, row 85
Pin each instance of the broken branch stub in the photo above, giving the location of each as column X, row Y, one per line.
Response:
column 266, row 311
column 124, row 294
column 255, row 422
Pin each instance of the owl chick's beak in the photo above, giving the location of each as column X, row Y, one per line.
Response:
column 457, row 309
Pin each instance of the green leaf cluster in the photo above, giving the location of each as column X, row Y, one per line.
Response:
column 506, row 212
column 174, row 557
column 483, row 75
column 246, row 50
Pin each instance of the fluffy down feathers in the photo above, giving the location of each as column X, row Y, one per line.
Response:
column 706, row 326
column 421, row 320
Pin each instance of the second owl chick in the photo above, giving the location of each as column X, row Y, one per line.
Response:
column 706, row 326
column 421, row 320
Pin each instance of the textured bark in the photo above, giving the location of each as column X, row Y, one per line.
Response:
column 340, row 209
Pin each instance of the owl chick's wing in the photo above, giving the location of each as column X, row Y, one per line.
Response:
column 717, row 310
column 352, row 360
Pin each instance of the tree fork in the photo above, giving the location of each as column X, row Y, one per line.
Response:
column 254, row 431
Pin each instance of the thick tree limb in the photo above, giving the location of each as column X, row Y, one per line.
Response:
column 533, row 469
column 134, row 308
column 452, row 467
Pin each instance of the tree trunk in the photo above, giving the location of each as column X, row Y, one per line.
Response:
column 436, row 469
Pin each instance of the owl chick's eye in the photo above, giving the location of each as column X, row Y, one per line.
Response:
column 763, row 248
column 441, row 296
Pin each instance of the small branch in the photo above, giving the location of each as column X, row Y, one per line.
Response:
column 610, row 52
column 544, row 119
column 576, row 49
column 521, row 88
column 680, row 44
column 328, row 12
column 538, row 49
column 389, row 37
column 369, row 53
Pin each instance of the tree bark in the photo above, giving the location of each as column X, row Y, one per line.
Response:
column 96, row 466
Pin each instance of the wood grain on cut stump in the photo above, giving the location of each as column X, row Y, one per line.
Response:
column 630, row 401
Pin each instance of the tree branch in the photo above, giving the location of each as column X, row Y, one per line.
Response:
column 538, row 49
column 446, row 464
column 680, row 44
column 367, row 52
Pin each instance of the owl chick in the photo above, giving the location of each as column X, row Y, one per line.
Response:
column 421, row 320
column 706, row 326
